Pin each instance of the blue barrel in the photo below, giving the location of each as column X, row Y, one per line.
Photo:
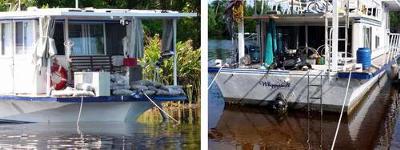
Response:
column 364, row 57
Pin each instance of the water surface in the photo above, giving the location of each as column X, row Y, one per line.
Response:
column 149, row 132
column 374, row 124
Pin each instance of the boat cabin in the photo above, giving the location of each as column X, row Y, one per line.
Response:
column 310, row 31
column 42, row 47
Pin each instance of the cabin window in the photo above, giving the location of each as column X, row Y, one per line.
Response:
column 377, row 41
column 59, row 38
column 6, row 39
column 115, row 32
column 24, row 37
column 367, row 37
column 87, row 39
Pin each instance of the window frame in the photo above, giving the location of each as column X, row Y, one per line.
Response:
column 13, row 47
column 85, row 33
column 35, row 34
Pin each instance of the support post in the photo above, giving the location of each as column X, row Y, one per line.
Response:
column 175, row 54
column 306, row 37
column 241, row 40
column 335, row 36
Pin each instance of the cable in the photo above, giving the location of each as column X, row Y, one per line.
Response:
column 160, row 108
column 341, row 113
column 216, row 75
column 80, row 111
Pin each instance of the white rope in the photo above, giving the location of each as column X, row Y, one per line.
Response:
column 160, row 108
column 216, row 75
column 80, row 111
column 341, row 113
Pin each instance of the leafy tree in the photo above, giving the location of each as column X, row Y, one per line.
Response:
column 217, row 28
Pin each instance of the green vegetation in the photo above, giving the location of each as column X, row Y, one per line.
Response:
column 394, row 19
column 217, row 28
column 188, row 65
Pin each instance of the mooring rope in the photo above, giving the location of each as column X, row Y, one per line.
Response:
column 154, row 103
column 80, row 111
column 216, row 75
column 341, row 112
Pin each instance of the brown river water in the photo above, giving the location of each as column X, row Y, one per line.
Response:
column 373, row 125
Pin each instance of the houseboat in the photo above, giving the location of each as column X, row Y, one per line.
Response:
column 313, row 54
column 69, row 64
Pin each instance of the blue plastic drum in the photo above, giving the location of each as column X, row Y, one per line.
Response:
column 364, row 57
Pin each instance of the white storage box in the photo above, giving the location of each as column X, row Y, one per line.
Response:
column 100, row 81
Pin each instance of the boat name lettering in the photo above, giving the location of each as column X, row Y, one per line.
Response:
column 276, row 84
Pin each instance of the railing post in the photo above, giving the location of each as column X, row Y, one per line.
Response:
column 391, row 40
column 395, row 42
column 397, row 46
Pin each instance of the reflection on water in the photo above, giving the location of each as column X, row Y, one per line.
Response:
column 149, row 132
column 373, row 125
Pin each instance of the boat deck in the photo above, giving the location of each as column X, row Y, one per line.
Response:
column 92, row 99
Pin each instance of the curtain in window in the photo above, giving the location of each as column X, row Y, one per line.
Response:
column 133, row 45
column 167, row 36
column 45, row 45
column 6, row 39
column 138, row 39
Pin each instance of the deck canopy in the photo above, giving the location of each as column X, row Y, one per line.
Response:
column 94, row 14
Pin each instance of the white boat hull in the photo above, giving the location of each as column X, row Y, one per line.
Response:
column 256, row 88
column 36, row 111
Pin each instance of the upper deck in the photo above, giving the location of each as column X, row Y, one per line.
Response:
column 314, row 12
column 91, row 13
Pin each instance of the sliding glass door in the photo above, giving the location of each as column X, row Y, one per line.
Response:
column 87, row 38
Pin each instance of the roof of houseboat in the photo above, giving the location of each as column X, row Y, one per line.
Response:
column 34, row 12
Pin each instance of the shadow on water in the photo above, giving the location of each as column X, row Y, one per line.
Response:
column 372, row 125
column 148, row 132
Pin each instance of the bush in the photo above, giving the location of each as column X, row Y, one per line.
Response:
column 188, row 64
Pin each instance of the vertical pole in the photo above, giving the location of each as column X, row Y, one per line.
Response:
column 175, row 54
column 327, row 49
column 241, row 40
column 19, row 5
column 291, row 9
column 262, row 42
column 12, row 24
column 335, row 36
column 48, row 78
column 346, row 34
column 67, row 47
column 306, row 37
column 397, row 46
column 35, row 76
column 76, row 3
column 262, row 7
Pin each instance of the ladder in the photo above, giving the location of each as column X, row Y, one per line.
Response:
column 310, row 96
column 311, row 84
column 329, row 37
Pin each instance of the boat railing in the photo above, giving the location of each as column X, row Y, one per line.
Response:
column 302, row 7
column 394, row 46
column 292, row 7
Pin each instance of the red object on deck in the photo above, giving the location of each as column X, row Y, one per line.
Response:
column 130, row 62
column 58, row 77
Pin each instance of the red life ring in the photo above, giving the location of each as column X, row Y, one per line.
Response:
column 58, row 77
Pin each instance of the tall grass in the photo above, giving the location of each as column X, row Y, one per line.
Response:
column 188, row 64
